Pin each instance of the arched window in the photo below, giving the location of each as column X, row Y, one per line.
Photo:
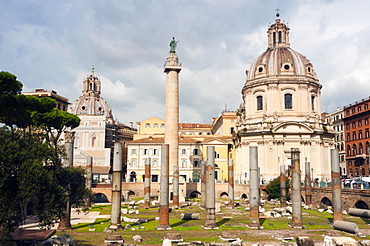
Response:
column 354, row 150
column 93, row 140
column 348, row 150
column 354, row 136
column 360, row 149
column 288, row 101
column 259, row 103
column 280, row 37
column 312, row 102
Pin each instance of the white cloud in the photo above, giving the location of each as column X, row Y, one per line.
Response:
column 54, row 44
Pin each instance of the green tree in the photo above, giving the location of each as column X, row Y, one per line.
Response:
column 273, row 189
column 30, row 150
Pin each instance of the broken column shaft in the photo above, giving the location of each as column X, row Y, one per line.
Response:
column 147, row 184
column 282, row 187
column 254, row 188
column 175, row 183
column 203, row 191
column 89, row 177
column 210, row 222
column 307, row 179
column 164, row 220
column 296, row 189
column 115, row 220
column 65, row 220
column 231, row 183
column 336, row 188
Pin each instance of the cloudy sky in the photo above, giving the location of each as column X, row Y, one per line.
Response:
column 52, row 45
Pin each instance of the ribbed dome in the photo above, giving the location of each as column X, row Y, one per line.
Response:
column 281, row 61
column 91, row 103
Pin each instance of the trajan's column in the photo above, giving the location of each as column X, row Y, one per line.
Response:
column 172, row 68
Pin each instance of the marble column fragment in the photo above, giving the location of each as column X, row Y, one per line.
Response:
column 147, row 183
column 336, row 188
column 115, row 220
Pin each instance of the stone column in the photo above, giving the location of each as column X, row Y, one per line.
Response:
column 89, row 177
column 115, row 220
column 203, row 191
column 65, row 220
column 307, row 180
column 164, row 220
column 172, row 68
column 296, row 189
column 210, row 222
column 147, row 183
column 230, row 179
column 336, row 189
column 254, row 188
column 283, row 190
column 175, row 183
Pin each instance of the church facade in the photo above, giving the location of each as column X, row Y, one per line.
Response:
column 281, row 111
column 98, row 131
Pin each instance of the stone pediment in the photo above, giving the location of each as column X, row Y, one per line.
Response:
column 214, row 142
column 292, row 127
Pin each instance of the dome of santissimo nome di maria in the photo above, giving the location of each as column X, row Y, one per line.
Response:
column 279, row 60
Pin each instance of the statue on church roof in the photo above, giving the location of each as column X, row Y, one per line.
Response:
column 173, row 44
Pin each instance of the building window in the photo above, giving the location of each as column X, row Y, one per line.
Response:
column 231, row 130
column 155, row 151
column 358, row 108
column 366, row 120
column 146, row 152
column 353, row 111
column 348, row 137
column 196, row 152
column 147, row 125
column 184, row 163
column 312, row 102
column 367, row 133
column 354, row 136
column 196, row 163
column 155, row 178
column 354, row 125
column 360, row 135
column 288, row 101
column 259, row 103
column 155, row 163
column 162, row 125
column 217, row 155
column 155, row 125
column 134, row 163
column 133, row 151
column 348, row 126
column 183, row 151
column 366, row 106
column 196, row 177
column 359, row 123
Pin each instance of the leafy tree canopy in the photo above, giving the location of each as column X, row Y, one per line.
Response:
column 29, row 152
column 273, row 189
